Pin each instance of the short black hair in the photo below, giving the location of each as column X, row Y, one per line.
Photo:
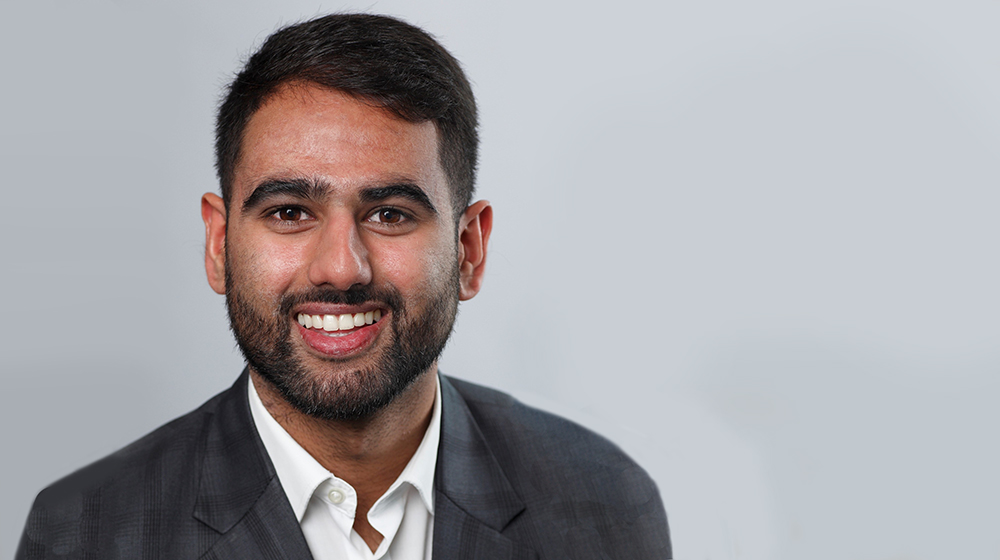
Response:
column 380, row 59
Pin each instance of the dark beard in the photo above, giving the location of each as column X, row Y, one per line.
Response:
column 266, row 343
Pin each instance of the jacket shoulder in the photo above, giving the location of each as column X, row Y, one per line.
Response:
column 515, row 429
column 171, row 444
column 146, row 478
column 573, row 481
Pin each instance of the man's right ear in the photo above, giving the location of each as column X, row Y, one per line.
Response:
column 213, row 212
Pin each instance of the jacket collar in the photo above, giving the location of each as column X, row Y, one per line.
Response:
column 239, row 494
column 474, row 499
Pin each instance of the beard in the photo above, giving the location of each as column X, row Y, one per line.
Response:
column 416, row 338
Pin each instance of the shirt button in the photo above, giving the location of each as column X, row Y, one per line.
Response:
column 335, row 495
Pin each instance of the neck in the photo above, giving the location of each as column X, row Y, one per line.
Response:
column 368, row 454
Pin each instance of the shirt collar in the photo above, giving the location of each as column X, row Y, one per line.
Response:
column 300, row 474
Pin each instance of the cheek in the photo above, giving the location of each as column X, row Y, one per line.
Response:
column 415, row 268
column 270, row 267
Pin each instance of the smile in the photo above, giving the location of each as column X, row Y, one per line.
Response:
column 345, row 322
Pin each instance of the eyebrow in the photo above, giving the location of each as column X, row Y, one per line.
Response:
column 408, row 191
column 317, row 191
column 297, row 188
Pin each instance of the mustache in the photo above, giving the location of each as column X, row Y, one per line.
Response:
column 382, row 296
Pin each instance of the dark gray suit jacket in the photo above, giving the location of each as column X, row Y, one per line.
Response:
column 512, row 482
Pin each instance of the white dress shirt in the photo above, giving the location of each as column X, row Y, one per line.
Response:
column 325, row 505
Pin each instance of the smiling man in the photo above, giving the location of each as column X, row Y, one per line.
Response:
column 344, row 238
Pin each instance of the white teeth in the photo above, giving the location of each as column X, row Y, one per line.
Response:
column 345, row 322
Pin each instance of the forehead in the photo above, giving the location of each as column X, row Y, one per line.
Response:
column 310, row 132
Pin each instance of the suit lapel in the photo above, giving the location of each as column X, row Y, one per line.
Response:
column 473, row 499
column 239, row 494
column 268, row 531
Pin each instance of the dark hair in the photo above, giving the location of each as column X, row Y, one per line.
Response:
column 383, row 60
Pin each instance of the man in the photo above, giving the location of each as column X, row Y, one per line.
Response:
column 343, row 240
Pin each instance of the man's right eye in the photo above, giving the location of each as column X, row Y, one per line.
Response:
column 290, row 214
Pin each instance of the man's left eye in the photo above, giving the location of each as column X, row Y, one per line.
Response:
column 387, row 216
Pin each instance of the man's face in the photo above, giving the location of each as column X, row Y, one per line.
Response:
column 338, row 252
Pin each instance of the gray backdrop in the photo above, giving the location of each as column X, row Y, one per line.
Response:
column 754, row 243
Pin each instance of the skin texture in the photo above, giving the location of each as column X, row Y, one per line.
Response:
column 337, row 239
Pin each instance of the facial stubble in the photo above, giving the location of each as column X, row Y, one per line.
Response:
column 331, row 389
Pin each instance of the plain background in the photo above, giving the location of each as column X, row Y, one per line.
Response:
column 754, row 243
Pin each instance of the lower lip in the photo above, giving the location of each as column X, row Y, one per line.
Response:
column 338, row 345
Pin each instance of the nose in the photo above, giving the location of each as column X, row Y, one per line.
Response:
column 339, row 257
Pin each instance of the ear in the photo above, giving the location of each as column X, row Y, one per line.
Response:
column 473, row 237
column 213, row 212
